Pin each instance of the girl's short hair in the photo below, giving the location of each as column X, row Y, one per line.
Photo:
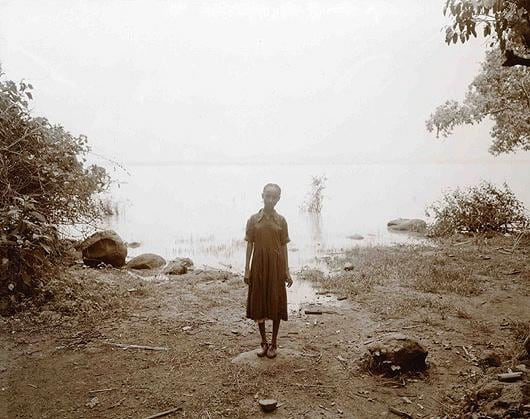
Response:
column 273, row 185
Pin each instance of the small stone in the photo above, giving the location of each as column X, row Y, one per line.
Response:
column 268, row 405
column 348, row 266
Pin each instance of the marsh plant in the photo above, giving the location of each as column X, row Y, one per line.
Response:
column 315, row 197
column 478, row 209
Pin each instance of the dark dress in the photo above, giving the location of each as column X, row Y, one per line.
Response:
column 267, row 295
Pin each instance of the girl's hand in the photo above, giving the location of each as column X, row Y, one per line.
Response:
column 288, row 279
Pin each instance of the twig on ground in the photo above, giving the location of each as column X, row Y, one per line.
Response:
column 400, row 413
column 116, row 404
column 147, row 348
column 313, row 385
column 101, row 390
column 165, row 413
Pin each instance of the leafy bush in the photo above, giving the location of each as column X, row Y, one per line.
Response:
column 478, row 209
column 43, row 185
column 315, row 197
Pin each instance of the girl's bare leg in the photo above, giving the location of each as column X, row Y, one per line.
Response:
column 271, row 352
column 264, row 345
column 275, row 329
column 262, row 332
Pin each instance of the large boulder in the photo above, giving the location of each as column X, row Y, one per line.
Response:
column 146, row 261
column 406, row 224
column 104, row 246
column 178, row 266
column 396, row 353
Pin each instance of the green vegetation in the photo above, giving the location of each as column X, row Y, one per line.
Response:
column 44, row 184
column 478, row 209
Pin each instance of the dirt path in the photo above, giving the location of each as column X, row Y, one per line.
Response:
column 64, row 367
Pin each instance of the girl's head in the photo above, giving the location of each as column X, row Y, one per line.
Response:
column 271, row 195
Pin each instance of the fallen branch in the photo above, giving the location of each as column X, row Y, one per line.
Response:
column 320, row 312
column 147, row 348
column 462, row 243
column 400, row 413
column 101, row 390
column 165, row 413
column 510, row 376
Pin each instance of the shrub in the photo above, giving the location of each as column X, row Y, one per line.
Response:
column 44, row 185
column 315, row 197
column 478, row 209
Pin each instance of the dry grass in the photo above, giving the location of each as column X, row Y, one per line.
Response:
column 420, row 267
column 519, row 328
column 443, row 279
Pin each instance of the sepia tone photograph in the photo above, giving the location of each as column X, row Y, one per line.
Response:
column 249, row 209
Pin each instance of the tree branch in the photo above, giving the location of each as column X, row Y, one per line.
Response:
column 512, row 59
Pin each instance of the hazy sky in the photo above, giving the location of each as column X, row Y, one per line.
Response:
column 327, row 81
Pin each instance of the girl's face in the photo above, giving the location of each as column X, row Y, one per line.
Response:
column 270, row 197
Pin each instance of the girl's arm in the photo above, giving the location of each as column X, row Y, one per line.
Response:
column 250, row 248
column 288, row 278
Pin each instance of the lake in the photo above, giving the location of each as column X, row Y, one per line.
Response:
column 200, row 210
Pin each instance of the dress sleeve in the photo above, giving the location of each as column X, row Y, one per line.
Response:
column 249, row 231
column 284, row 236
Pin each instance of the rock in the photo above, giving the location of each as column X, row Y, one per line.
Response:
column 396, row 353
column 355, row 237
column 146, row 261
column 286, row 358
column 490, row 359
column 348, row 266
column 268, row 405
column 104, row 246
column 405, row 224
column 133, row 245
column 187, row 262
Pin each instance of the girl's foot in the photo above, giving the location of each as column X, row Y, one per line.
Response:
column 264, row 349
column 271, row 351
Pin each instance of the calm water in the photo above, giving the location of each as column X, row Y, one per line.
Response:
column 199, row 211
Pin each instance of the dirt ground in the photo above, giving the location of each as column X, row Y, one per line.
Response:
column 59, row 362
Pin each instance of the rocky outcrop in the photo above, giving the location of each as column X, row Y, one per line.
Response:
column 146, row 261
column 104, row 247
column 396, row 353
column 406, row 224
column 178, row 266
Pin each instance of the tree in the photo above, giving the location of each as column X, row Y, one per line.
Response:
column 505, row 22
column 501, row 93
column 43, row 184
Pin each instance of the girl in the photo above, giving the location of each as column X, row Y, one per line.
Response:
column 266, row 268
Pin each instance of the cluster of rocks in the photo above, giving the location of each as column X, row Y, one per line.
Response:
column 106, row 247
